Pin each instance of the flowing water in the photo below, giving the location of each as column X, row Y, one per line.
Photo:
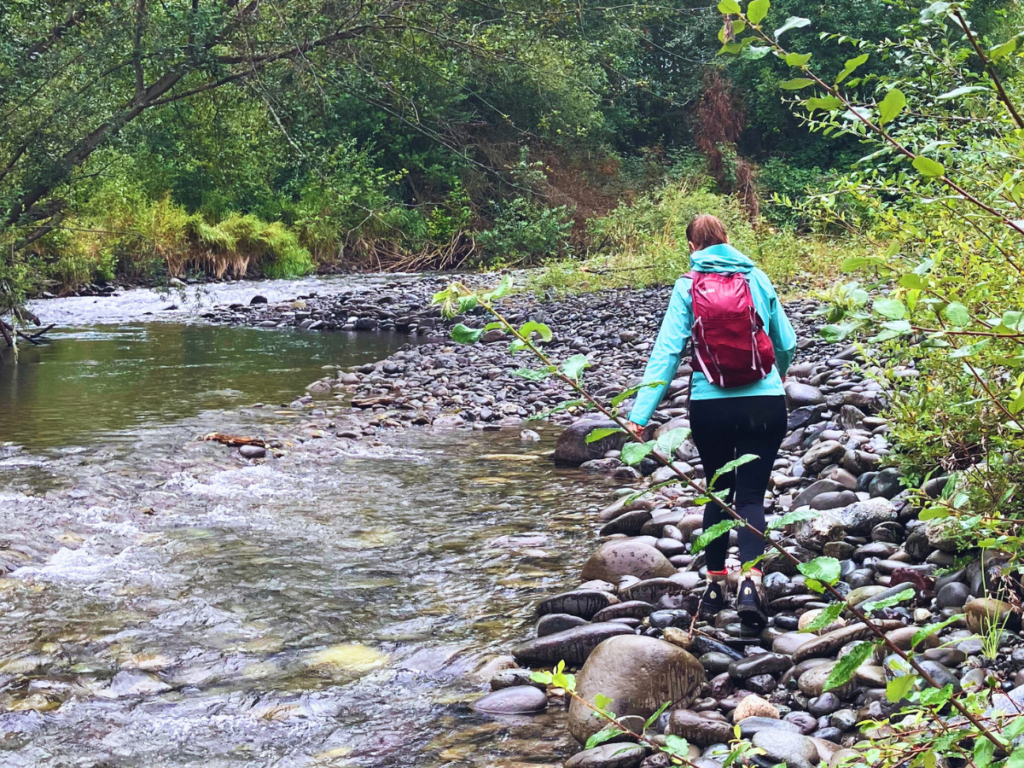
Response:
column 168, row 603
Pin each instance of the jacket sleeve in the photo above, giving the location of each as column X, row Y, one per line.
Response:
column 781, row 332
column 665, row 357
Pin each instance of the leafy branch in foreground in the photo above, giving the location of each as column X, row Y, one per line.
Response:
column 823, row 572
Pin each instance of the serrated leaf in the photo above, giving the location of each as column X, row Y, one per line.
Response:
column 730, row 466
column 892, row 309
column 891, row 106
column 826, row 618
column 796, row 84
column 601, row 434
column 543, row 331
column 531, row 375
column 466, row 303
column 928, row 167
column 826, row 569
column 721, row 528
column 851, row 66
column 844, row 670
column 957, row 314
column 1014, row 729
column 793, row 22
column 465, row 335
column 669, row 442
column 757, row 10
column 633, row 453
column 927, row 631
column 898, row 688
column 796, row 516
column 984, row 751
column 729, row 6
column 888, row 602
column 825, row 103
column 677, row 746
column 936, row 697
column 573, row 367
column 797, row 59
column 602, row 736
column 501, row 291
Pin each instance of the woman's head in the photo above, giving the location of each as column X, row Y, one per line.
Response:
column 704, row 231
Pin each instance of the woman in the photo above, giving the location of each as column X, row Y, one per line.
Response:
column 727, row 419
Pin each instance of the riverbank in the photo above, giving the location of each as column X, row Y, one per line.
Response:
column 633, row 607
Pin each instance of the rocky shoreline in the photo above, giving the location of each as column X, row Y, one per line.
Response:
column 628, row 625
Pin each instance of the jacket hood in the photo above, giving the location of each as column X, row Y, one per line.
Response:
column 720, row 258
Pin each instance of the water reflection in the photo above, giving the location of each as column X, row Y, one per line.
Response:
column 92, row 382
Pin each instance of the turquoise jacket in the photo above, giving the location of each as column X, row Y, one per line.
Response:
column 675, row 332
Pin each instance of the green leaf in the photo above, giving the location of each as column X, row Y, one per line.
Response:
column 540, row 329
column 893, row 309
column 898, row 688
column 1004, row 50
column 602, row 736
column 466, row 303
column 824, row 569
column 653, row 718
column 516, row 345
column 825, row 103
column 464, row 335
column 669, row 442
column 757, row 10
column 796, row 84
column 1015, row 760
column 933, row 513
column 957, row 314
column 531, row 375
column 729, row 466
column 677, row 746
column 825, row 619
column 718, row 529
column 729, row 6
column 891, row 106
column 1014, row 729
column 602, row 702
column 984, row 751
column 970, row 350
column 634, row 453
column 561, row 407
column 834, row 333
column 573, row 367
column 793, row 22
column 755, row 52
column 851, row 66
column 887, row 602
column 624, row 396
column 843, row 672
column 601, row 434
column 928, row 167
column 494, row 327
column 544, row 678
column 501, row 291
column 797, row 59
column 796, row 516
column 927, row 631
column 936, row 697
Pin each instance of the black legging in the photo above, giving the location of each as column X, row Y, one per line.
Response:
column 727, row 429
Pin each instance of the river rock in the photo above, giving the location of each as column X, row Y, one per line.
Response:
column 608, row 756
column 754, row 706
column 573, row 449
column 830, row 642
column 572, row 646
column 701, row 728
column 252, row 451
column 517, row 700
column 860, row 518
column 783, row 746
column 760, row 664
column 953, row 595
column 627, row 558
column 580, row 602
column 822, row 454
column 808, row 494
column 632, row 609
column 799, row 395
column 638, row 674
column 984, row 613
column 551, row 623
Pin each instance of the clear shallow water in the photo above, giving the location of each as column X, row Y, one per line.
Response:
column 91, row 382
column 170, row 604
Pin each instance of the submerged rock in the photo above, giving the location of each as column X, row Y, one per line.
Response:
column 517, row 700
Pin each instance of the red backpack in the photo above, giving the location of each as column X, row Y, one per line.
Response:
column 729, row 343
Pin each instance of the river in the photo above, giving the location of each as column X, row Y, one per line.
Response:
column 167, row 603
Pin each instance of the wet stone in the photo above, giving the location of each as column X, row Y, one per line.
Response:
column 517, row 700
column 572, row 646
column 608, row 756
column 583, row 603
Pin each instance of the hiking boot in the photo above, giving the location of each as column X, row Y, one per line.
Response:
column 750, row 605
column 713, row 601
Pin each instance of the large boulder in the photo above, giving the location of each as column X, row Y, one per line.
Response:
column 573, row 449
column 624, row 557
column 638, row 674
